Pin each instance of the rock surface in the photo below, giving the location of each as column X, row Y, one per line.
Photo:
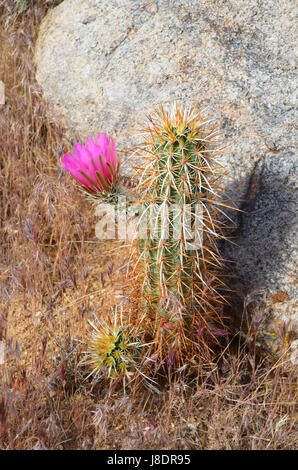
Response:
column 102, row 65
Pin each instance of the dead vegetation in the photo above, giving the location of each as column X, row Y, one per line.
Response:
column 54, row 274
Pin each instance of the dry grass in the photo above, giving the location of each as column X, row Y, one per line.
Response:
column 54, row 274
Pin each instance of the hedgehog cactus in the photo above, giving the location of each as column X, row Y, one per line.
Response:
column 180, row 184
column 178, row 308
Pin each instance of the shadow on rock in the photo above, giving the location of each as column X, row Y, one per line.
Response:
column 263, row 253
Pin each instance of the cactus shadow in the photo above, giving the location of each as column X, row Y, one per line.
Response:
column 261, row 255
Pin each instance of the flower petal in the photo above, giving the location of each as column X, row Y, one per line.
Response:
column 95, row 166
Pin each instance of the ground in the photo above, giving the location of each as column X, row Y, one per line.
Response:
column 55, row 274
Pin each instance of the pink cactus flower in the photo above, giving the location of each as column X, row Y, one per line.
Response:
column 95, row 166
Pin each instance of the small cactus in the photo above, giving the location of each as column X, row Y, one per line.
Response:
column 113, row 348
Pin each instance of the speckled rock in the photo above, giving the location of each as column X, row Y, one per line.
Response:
column 276, row 322
column 102, row 65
